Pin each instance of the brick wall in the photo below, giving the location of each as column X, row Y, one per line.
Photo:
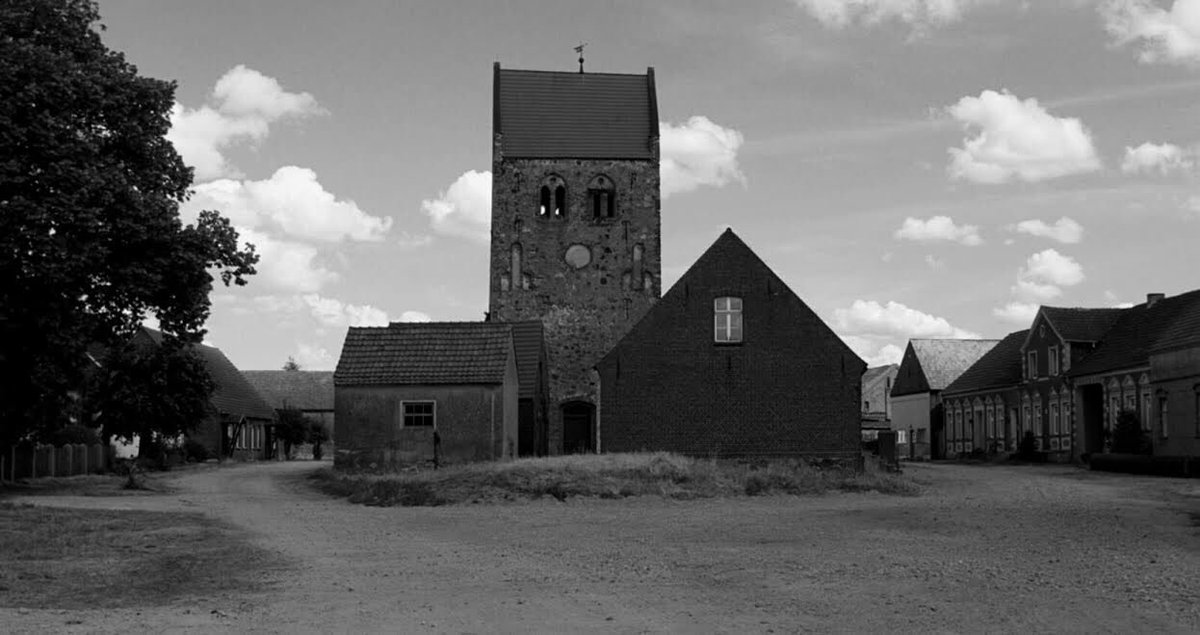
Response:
column 791, row 388
column 586, row 309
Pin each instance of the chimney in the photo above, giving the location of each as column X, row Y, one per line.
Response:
column 1153, row 298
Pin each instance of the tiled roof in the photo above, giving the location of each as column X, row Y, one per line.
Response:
column 527, row 345
column 876, row 372
column 1127, row 344
column 547, row 114
column 1184, row 330
column 1081, row 325
column 233, row 396
column 1000, row 367
column 425, row 353
column 941, row 362
column 298, row 389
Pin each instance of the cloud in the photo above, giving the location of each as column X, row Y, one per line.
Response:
column 1038, row 282
column 292, row 201
column 873, row 352
column 335, row 313
column 243, row 105
column 1064, row 230
column 1192, row 206
column 1017, row 312
column 413, row 241
column 1018, row 140
column 1164, row 35
column 464, row 209
column 413, row 316
column 838, row 14
column 938, row 228
column 868, row 317
column 313, row 357
column 698, row 153
column 1163, row 158
column 286, row 265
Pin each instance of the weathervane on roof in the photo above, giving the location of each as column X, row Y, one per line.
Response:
column 579, row 49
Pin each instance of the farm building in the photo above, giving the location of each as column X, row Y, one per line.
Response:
column 731, row 362
column 413, row 393
column 928, row 367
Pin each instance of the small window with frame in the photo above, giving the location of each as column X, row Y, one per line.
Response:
column 727, row 320
column 418, row 414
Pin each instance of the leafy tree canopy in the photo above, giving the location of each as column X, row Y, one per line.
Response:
column 90, row 235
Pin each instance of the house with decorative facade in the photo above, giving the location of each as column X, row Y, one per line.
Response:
column 731, row 363
column 981, row 405
column 927, row 368
column 1175, row 369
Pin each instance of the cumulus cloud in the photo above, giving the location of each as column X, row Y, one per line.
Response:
column 1192, row 206
column 1167, row 35
column 873, row 352
column 1018, row 139
column 838, row 14
column 1064, row 230
column 413, row 316
column 938, row 228
column 1017, row 312
column 1163, row 158
column 313, row 357
column 868, row 317
column 464, row 209
column 335, row 313
column 1039, row 281
column 286, row 265
column 243, row 105
column 293, row 201
column 698, row 153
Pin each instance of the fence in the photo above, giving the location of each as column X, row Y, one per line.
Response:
column 33, row 461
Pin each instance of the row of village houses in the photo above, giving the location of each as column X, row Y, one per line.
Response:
column 1065, row 379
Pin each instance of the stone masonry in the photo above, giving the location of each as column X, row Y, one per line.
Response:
column 587, row 279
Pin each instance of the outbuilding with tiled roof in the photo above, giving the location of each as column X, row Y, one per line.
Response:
column 928, row 367
column 412, row 393
column 980, row 406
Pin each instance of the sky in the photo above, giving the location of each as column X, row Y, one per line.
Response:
column 910, row 168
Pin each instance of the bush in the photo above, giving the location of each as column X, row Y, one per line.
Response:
column 316, row 436
column 195, row 452
column 1150, row 465
column 1027, row 448
column 1128, row 436
column 74, row 434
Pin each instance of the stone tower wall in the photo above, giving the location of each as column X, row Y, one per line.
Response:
column 585, row 309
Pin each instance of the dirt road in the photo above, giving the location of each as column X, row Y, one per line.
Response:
column 985, row 549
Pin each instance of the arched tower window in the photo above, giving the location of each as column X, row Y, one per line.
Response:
column 515, row 272
column 602, row 196
column 552, row 197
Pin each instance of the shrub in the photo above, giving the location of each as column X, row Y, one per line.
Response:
column 195, row 452
column 316, row 436
column 74, row 433
column 1128, row 436
column 1027, row 448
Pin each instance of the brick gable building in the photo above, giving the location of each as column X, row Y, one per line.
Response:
column 731, row 362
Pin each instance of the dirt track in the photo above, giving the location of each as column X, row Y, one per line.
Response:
column 984, row 549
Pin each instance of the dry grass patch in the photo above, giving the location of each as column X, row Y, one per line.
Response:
column 603, row 476
column 75, row 559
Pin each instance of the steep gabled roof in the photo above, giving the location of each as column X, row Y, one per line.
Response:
column 1139, row 329
column 936, row 363
column 1000, row 367
column 527, row 345
column 548, row 114
column 727, row 253
column 876, row 372
column 1080, row 324
column 233, row 395
column 298, row 389
column 425, row 353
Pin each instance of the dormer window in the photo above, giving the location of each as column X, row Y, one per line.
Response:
column 727, row 319
column 552, row 197
column 602, row 197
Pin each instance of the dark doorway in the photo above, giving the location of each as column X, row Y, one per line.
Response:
column 1091, row 417
column 937, row 432
column 577, row 418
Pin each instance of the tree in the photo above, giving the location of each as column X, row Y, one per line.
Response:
column 292, row 429
column 90, row 236
column 291, row 365
column 316, row 436
column 1127, row 434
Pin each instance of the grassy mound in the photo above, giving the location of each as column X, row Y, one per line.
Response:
column 602, row 476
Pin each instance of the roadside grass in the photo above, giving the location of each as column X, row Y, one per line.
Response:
column 79, row 559
column 86, row 485
column 604, row 476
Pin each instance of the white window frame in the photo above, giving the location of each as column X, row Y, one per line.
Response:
column 728, row 318
column 404, row 414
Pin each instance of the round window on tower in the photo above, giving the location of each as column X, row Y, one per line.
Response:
column 578, row 256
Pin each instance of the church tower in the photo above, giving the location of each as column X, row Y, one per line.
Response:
column 576, row 226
